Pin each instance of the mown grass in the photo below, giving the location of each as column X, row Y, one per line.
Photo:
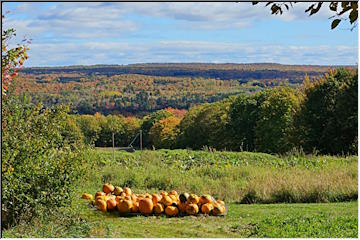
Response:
column 235, row 177
column 256, row 220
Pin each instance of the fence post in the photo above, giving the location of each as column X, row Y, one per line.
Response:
column 113, row 142
column 140, row 140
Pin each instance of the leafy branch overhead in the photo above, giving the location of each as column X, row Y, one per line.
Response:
column 340, row 10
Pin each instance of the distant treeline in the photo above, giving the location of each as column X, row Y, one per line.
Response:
column 317, row 116
column 241, row 72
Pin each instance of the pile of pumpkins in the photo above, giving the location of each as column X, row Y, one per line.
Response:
column 172, row 204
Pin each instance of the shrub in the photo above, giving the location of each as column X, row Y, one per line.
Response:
column 41, row 159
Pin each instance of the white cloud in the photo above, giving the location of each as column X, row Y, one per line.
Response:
column 186, row 51
column 84, row 20
column 88, row 33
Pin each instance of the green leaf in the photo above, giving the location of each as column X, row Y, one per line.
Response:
column 335, row 23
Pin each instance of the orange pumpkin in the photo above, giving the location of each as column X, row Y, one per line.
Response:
column 193, row 198
column 135, row 207
column 123, row 195
column 205, row 199
column 87, row 196
column 118, row 191
column 174, row 198
column 155, row 198
column 166, row 200
column 124, row 206
column 100, row 198
column 220, row 202
column 218, row 209
column 207, row 208
column 171, row 211
column 159, row 208
column 163, row 193
column 127, row 191
column 146, row 206
column 101, row 205
column 118, row 199
column 192, row 209
column 99, row 194
column 182, row 207
column 133, row 197
column 173, row 192
column 111, row 203
column 108, row 188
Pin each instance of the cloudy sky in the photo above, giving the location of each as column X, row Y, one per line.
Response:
column 124, row 33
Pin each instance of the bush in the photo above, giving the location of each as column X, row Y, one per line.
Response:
column 41, row 159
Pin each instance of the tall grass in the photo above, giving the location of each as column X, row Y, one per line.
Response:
column 235, row 177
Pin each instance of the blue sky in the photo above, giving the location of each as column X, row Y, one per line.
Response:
column 124, row 33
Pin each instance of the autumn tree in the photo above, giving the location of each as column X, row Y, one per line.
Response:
column 163, row 134
column 340, row 9
column 12, row 59
column 205, row 125
column 149, row 121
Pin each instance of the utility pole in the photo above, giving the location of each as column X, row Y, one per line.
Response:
column 140, row 140
column 113, row 142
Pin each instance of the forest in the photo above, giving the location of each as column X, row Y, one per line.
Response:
column 316, row 116
column 139, row 89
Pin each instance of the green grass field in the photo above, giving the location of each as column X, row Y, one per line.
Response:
column 243, row 220
column 311, row 196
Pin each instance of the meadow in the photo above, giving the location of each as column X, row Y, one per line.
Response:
column 242, row 177
column 322, row 191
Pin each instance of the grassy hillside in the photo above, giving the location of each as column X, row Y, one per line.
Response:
column 234, row 177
